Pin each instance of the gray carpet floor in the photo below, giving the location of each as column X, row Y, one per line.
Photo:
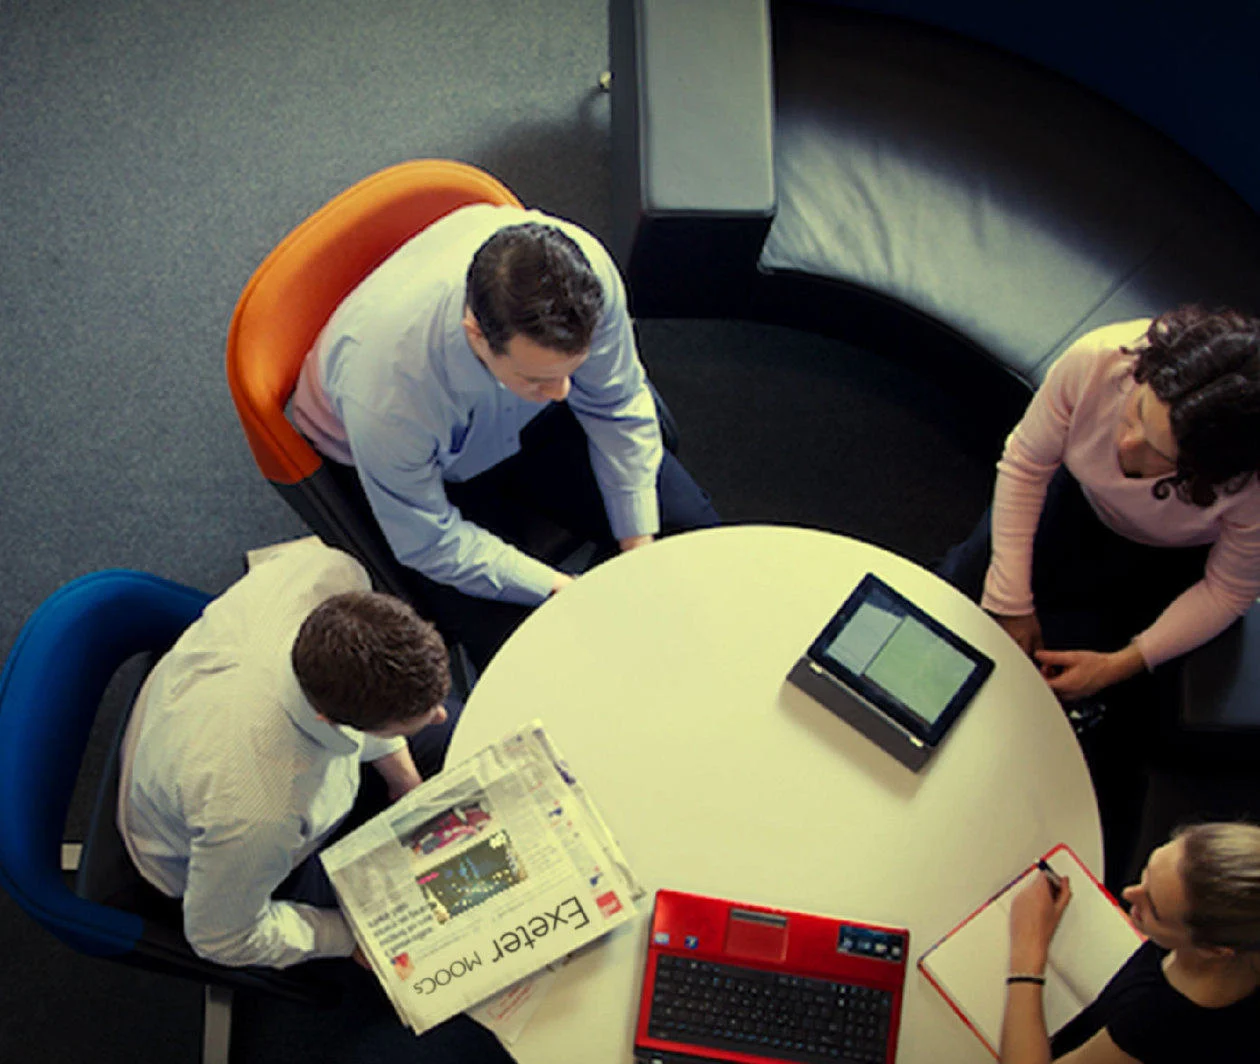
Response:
column 151, row 153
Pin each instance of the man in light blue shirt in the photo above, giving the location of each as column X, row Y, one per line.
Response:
column 487, row 369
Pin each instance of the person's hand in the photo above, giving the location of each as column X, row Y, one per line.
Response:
column 630, row 542
column 1035, row 914
column 1074, row 674
column 561, row 581
column 1025, row 630
column 360, row 959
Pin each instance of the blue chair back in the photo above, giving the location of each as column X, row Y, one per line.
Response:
column 51, row 688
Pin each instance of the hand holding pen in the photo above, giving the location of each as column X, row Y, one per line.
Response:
column 1035, row 913
column 1056, row 881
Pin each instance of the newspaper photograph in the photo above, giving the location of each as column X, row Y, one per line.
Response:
column 479, row 878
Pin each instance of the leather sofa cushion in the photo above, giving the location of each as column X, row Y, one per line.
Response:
column 985, row 191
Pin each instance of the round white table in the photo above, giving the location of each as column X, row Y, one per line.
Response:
column 661, row 677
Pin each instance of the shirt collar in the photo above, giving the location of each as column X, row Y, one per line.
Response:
column 464, row 370
column 338, row 738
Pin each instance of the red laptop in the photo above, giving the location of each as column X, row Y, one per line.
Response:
column 753, row 985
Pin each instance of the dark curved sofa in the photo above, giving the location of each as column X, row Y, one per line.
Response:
column 969, row 186
column 987, row 181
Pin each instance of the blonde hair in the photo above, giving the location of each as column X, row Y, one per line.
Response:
column 1220, row 867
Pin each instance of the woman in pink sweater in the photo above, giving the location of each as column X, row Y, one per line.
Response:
column 1125, row 525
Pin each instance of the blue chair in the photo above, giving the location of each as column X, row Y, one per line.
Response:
column 51, row 688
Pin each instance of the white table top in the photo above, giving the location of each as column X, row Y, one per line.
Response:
column 661, row 677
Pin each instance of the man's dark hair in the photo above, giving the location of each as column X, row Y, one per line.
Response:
column 368, row 660
column 1205, row 364
column 532, row 279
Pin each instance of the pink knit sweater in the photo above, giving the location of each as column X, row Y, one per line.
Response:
column 1073, row 419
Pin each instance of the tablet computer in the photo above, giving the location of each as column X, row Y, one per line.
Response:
column 893, row 671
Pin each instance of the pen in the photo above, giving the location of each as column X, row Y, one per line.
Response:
column 1056, row 881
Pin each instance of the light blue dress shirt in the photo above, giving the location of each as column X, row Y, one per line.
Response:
column 393, row 387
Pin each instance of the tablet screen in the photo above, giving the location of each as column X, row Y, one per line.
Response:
column 906, row 662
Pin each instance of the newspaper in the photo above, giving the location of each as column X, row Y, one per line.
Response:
column 508, row 1013
column 479, row 878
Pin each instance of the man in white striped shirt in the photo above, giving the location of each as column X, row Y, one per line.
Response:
column 242, row 756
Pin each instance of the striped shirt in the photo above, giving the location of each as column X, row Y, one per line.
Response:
column 230, row 780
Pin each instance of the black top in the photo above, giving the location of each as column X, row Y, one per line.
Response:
column 1154, row 1023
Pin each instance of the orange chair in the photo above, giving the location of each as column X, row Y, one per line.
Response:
column 280, row 314
column 286, row 304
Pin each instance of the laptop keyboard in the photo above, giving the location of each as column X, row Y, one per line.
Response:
column 723, row 1006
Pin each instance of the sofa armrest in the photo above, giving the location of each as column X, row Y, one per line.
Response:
column 692, row 146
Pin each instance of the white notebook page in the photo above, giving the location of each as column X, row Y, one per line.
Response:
column 1092, row 941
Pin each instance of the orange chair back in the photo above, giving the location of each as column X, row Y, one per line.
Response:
column 294, row 292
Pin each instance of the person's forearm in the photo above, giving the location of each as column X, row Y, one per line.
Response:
column 289, row 933
column 230, row 915
column 1033, row 452
column 1035, row 913
column 481, row 564
column 1198, row 614
column 399, row 772
column 1018, row 499
column 426, row 533
column 1125, row 663
column 626, row 451
column 1024, row 1037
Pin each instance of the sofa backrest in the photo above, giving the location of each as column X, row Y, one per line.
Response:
column 1187, row 67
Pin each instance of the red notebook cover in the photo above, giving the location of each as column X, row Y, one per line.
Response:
column 969, row 964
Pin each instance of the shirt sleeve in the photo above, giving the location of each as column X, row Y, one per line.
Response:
column 374, row 747
column 230, row 916
column 611, row 400
column 1230, row 584
column 404, row 487
column 1033, row 452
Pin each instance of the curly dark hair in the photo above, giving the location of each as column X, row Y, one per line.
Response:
column 1205, row 364
column 532, row 279
column 368, row 660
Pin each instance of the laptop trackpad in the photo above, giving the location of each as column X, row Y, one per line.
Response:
column 756, row 936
